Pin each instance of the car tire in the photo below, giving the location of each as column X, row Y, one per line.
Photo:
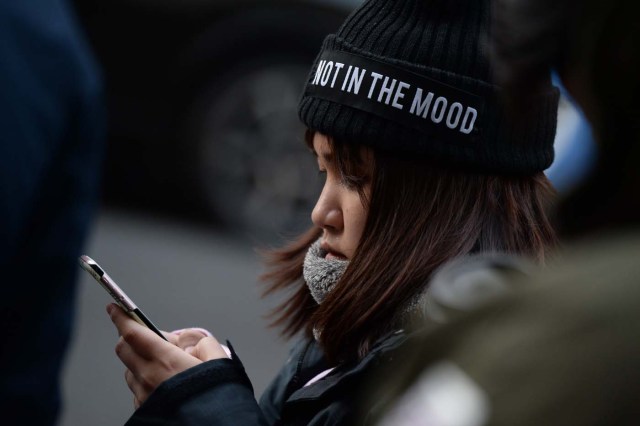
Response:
column 251, row 166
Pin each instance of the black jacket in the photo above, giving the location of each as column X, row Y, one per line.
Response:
column 219, row 392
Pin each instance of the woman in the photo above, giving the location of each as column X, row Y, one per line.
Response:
column 421, row 167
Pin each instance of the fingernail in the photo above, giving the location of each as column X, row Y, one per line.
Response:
column 110, row 308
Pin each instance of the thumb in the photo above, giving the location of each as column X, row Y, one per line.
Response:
column 207, row 349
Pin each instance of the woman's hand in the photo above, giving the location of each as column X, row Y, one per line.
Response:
column 151, row 360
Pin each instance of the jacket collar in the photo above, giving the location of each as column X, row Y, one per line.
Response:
column 351, row 371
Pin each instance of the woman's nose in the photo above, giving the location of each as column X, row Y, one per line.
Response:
column 327, row 213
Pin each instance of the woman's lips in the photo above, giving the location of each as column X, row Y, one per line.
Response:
column 331, row 253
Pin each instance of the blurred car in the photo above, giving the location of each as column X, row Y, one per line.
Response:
column 575, row 147
column 202, row 98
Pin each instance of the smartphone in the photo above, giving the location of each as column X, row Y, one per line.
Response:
column 116, row 292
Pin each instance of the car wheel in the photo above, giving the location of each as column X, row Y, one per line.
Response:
column 254, row 170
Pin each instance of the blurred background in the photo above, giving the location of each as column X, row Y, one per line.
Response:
column 202, row 96
column 205, row 162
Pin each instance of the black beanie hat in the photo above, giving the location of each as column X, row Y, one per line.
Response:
column 413, row 77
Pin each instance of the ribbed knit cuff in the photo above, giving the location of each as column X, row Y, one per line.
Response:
column 499, row 145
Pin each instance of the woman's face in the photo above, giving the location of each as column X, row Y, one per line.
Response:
column 339, row 210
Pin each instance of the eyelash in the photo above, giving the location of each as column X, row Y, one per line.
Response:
column 348, row 184
column 344, row 182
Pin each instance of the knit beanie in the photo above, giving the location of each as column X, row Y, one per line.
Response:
column 414, row 77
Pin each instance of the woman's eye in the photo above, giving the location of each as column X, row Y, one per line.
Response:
column 348, row 183
column 353, row 183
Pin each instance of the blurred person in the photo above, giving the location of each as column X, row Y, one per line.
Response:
column 565, row 349
column 51, row 128
column 597, row 62
column 420, row 167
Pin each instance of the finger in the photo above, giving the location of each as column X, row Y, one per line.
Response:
column 144, row 342
column 134, row 385
column 140, row 393
column 110, row 308
column 182, row 330
column 128, row 377
column 189, row 338
column 129, row 357
column 171, row 337
column 143, row 381
column 150, row 372
column 121, row 319
column 208, row 349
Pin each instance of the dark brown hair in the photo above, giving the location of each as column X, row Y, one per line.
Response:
column 419, row 217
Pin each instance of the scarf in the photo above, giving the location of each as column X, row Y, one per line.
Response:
column 321, row 276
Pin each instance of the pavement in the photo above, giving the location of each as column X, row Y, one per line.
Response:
column 180, row 275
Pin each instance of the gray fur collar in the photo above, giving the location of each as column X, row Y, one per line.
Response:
column 321, row 274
